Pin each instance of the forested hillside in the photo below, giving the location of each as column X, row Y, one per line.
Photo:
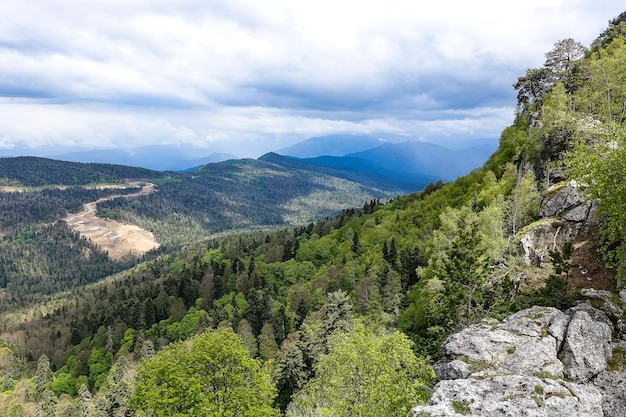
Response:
column 41, row 255
column 344, row 316
column 38, row 254
column 35, row 172
column 240, row 195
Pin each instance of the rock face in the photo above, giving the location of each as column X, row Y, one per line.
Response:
column 569, row 203
column 564, row 215
column 548, row 235
column 512, row 395
column 537, row 362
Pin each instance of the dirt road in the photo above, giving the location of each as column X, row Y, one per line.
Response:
column 118, row 239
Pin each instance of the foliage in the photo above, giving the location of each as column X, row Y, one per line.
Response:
column 34, row 172
column 43, row 375
column 236, row 195
column 425, row 263
column 524, row 201
column 48, row 258
column 599, row 158
column 210, row 375
column 617, row 359
column 365, row 374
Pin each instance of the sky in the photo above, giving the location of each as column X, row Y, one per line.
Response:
column 249, row 76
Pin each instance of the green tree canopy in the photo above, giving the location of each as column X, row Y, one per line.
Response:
column 365, row 374
column 209, row 375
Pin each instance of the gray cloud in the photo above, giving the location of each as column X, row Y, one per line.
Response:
column 242, row 73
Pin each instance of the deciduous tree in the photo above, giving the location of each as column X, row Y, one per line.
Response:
column 210, row 375
column 365, row 374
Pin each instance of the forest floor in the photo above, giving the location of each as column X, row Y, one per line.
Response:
column 118, row 239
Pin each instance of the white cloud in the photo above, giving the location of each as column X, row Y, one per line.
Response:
column 220, row 74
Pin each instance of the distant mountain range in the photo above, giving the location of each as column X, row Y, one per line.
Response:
column 407, row 165
column 388, row 163
column 342, row 145
column 335, row 145
column 157, row 157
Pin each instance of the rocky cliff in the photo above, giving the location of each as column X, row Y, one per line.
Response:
column 537, row 362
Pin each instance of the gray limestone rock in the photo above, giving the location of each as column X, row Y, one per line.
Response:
column 586, row 347
column 512, row 396
column 548, row 235
column 581, row 213
column 522, row 344
column 611, row 306
column 613, row 386
column 455, row 369
column 594, row 313
column 565, row 199
column 515, row 367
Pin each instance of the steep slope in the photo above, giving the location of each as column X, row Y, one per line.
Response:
column 445, row 265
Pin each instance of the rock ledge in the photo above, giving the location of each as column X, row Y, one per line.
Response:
column 537, row 362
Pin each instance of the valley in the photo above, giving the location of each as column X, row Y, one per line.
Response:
column 282, row 287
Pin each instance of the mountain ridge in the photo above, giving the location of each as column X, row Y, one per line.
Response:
column 155, row 157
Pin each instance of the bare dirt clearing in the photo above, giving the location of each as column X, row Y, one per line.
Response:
column 118, row 239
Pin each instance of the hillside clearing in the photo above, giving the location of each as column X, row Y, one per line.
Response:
column 118, row 239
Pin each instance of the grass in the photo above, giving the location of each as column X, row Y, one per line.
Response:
column 617, row 359
column 546, row 375
column 461, row 407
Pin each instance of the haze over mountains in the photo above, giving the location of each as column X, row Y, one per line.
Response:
column 390, row 162
column 156, row 157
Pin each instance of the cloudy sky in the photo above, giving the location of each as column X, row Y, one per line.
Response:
column 249, row 76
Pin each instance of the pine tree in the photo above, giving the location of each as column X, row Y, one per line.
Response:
column 47, row 404
column 355, row 242
column 465, row 274
column 244, row 331
column 85, row 401
column 292, row 371
column 267, row 342
column 337, row 316
column 44, row 374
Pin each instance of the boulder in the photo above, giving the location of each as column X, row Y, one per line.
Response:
column 586, row 347
column 516, row 367
column 581, row 213
column 512, row 396
column 522, row 344
column 549, row 234
column 595, row 313
column 455, row 369
column 612, row 306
